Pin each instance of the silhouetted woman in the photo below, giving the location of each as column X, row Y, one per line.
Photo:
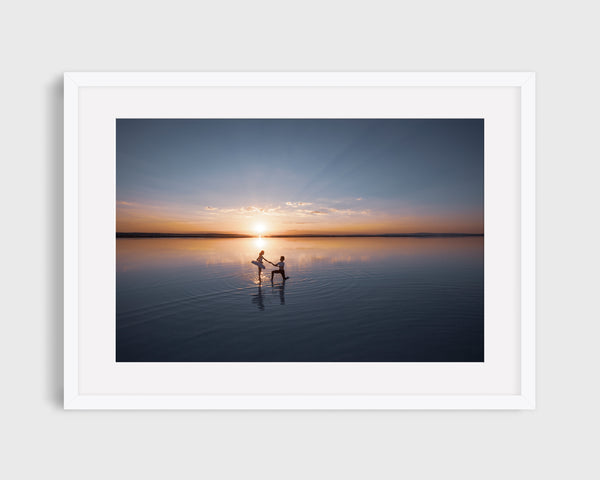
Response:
column 259, row 263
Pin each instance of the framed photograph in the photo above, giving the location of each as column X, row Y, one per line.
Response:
column 299, row 241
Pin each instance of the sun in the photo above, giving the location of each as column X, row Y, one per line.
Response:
column 259, row 228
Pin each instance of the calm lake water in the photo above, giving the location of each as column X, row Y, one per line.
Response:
column 347, row 300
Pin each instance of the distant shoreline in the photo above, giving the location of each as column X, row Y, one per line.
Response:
column 236, row 235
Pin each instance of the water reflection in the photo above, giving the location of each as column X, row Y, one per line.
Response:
column 144, row 254
column 260, row 242
column 353, row 299
column 258, row 299
column 281, row 290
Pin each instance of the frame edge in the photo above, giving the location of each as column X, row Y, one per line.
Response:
column 70, row 247
column 525, row 401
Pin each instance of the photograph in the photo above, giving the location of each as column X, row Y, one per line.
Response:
column 299, row 240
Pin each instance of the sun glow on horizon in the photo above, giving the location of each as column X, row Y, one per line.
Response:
column 326, row 176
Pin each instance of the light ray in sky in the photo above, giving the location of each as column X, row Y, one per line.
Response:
column 300, row 175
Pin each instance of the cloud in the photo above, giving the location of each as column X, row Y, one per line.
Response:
column 288, row 209
column 349, row 211
column 246, row 211
column 141, row 206
column 301, row 212
column 262, row 210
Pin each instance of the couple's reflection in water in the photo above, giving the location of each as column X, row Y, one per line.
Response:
column 259, row 298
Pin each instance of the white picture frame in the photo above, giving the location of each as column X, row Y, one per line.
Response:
column 79, row 393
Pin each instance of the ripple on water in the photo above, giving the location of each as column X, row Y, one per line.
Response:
column 423, row 306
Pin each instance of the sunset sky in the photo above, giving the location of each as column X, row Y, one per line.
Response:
column 337, row 176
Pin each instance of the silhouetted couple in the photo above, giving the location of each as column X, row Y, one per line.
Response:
column 280, row 265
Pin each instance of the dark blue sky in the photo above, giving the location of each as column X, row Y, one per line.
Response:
column 321, row 175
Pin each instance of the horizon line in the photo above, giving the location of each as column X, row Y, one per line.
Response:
column 298, row 235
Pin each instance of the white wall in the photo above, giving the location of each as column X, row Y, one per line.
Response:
column 40, row 40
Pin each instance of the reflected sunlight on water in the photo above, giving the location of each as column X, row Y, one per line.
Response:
column 142, row 253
